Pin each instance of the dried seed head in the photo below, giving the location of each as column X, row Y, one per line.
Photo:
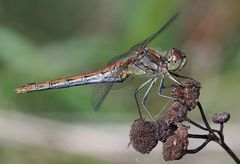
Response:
column 176, row 145
column 187, row 93
column 164, row 130
column 177, row 113
column 143, row 136
column 220, row 117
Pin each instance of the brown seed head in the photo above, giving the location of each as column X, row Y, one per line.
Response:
column 164, row 130
column 187, row 93
column 143, row 136
column 176, row 145
column 221, row 117
column 177, row 113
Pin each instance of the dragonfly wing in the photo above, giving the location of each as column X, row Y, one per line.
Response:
column 121, row 56
column 100, row 91
column 126, row 82
column 145, row 42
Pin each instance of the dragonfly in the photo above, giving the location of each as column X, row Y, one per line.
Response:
column 141, row 60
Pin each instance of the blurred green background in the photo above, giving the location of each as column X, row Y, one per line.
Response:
column 42, row 40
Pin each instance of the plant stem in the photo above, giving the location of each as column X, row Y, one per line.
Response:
column 193, row 151
column 203, row 115
column 211, row 136
column 229, row 151
column 199, row 136
column 196, row 124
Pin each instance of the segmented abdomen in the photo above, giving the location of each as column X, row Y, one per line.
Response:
column 106, row 75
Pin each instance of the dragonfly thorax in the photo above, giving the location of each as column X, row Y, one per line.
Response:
column 153, row 62
column 148, row 61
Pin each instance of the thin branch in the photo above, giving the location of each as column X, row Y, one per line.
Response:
column 203, row 128
column 221, row 128
column 193, row 151
column 203, row 115
column 198, row 136
column 213, row 137
column 196, row 124
column 229, row 151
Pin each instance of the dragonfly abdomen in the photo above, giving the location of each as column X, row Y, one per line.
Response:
column 105, row 75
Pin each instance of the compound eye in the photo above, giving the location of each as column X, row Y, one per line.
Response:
column 177, row 54
column 176, row 60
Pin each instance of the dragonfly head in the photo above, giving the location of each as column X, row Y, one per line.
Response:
column 176, row 60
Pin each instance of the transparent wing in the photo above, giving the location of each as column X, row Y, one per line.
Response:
column 126, row 82
column 145, row 42
column 101, row 90
column 121, row 56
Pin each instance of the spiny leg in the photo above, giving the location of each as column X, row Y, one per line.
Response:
column 162, row 109
column 173, row 79
column 146, row 96
column 135, row 95
column 161, row 87
column 180, row 76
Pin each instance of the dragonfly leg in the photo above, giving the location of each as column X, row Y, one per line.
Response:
column 135, row 95
column 146, row 96
column 162, row 109
column 180, row 76
column 174, row 79
column 161, row 87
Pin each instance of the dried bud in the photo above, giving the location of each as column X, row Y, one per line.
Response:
column 176, row 145
column 177, row 113
column 164, row 130
column 221, row 117
column 187, row 93
column 143, row 136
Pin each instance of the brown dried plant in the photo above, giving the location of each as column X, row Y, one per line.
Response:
column 171, row 130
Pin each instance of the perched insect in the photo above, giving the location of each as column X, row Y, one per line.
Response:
column 141, row 60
